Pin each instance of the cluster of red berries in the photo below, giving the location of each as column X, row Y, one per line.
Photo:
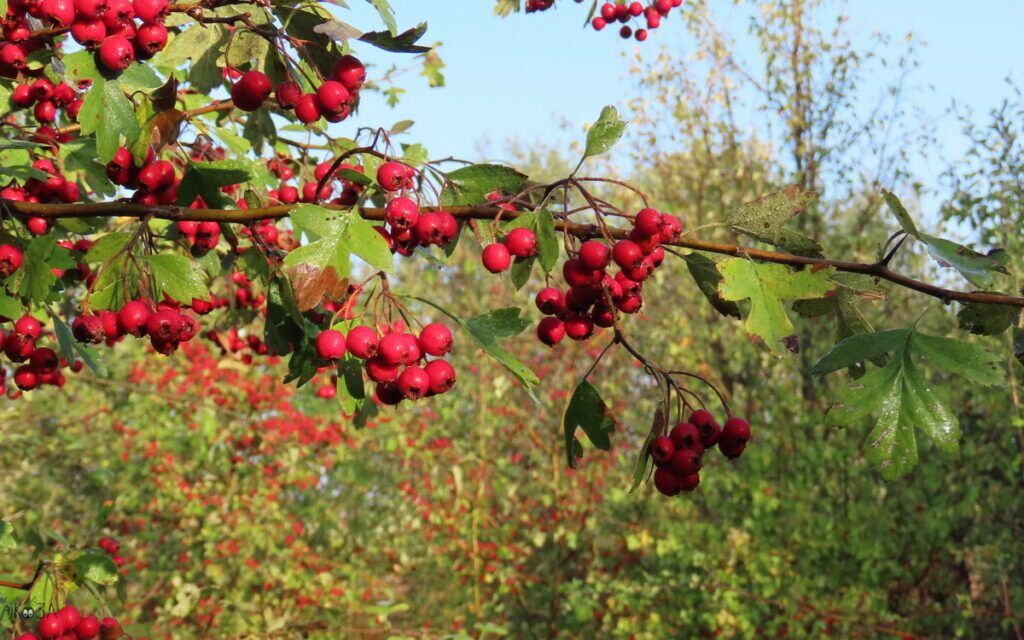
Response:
column 333, row 99
column 393, row 358
column 69, row 624
column 679, row 455
column 167, row 324
column 594, row 296
column 41, row 365
column 348, row 192
column 156, row 182
column 47, row 98
column 107, row 26
column 55, row 188
column 518, row 243
column 408, row 227
column 623, row 11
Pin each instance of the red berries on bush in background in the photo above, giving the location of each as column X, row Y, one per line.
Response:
column 678, row 457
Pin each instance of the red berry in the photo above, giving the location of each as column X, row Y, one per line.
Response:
column 598, row 23
column 577, row 275
column 379, row 370
column 578, row 326
column 151, row 11
column 735, row 431
column 117, row 53
column 594, row 255
column 496, row 257
column 350, row 72
column 550, row 331
column 402, row 213
column 151, row 38
column 362, row 342
column 162, row 326
column 88, row 329
column 647, row 222
column 671, row 228
column 689, row 483
column 330, row 344
column 90, row 9
column 641, row 35
column 87, row 628
column 11, row 259
column 288, row 94
column 685, row 436
column 44, row 360
column 551, row 301
column 387, row 393
column 59, row 13
column 28, row 328
column 110, row 629
column 667, row 482
column 69, row 617
column 393, row 176
column 251, row 90
column 705, row 423
column 627, row 254
column 522, row 243
column 436, row 339
column 307, row 110
column 685, row 462
column 133, row 316
column 414, row 383
column 331, row 96
column 662, row 449
column 50, row 626
column 26, row 378
column 441, row 374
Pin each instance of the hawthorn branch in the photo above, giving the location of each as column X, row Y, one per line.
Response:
column 219, row 105
column 486, row 212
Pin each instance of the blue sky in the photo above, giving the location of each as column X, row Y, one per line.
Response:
column 518, row 78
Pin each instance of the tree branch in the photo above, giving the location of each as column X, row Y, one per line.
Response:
column 483, row 212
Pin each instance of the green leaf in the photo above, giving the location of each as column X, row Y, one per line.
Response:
column 206, row 178
column 179, row 277
column 490, row 328
column 79, row 155
column 404, row 42
column 107, row 246
column 351, row 391
column 37, row 281
column 987, row 319
column 6, row 536
column 247, row 46
column 962, row 358
column 98, row 568
column 548, row 246
column 901, row 396
column 586, row 410
column 643, row 458
column 520, row 271
column 367, row 243
column 387, row 15
column 72, row 349
column 763, row 218
column 81, row 65
column 705, row 273
column 107, row 112
column 140, row 77
column 202, row 44
column 497, row 325
column 766, row 285
column 976, row 267
column 9, row 307
column 470, row 185
column 44, row 595
column 604, row 133
column 1018, row 344
column 281, row 330
column 857, row 349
